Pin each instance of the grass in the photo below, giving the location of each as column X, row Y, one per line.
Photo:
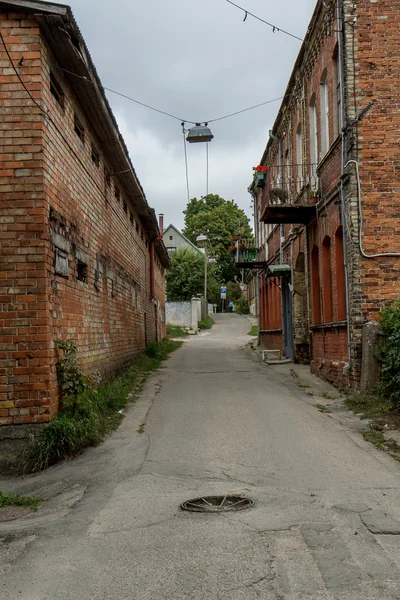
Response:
column 384, row 416
column 206, row 323
column 9, row 499
column 93, row 414
column 253, row 330
column 176, row 331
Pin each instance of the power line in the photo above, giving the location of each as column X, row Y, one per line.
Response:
column 274, row 27
column 162, row 111
column 238, row 112
column 19, row 76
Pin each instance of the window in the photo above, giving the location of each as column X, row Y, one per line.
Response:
column 324, row 108
column 170, row 249
column 81, row 271
column 131, row 217
column 337, row 99
column 57, row 90
column 117, row 193
column 299, row 157
column 327, row 279
column 107, row 179
column 313, row 136
column 95, row 156
column 61, row 265
column 79, row 128
column 125, row 207
column 316, row 298
column 340, row 275
column 171, row 237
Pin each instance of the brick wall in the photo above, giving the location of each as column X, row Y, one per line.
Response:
column 377, row 99
column 75, row 255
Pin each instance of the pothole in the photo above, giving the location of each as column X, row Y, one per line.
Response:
column 217, row 504
column 10, row 513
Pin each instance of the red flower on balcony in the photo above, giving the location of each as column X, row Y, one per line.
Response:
column 259, row 168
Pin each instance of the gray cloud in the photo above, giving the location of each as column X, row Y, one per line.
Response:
column 197, row 60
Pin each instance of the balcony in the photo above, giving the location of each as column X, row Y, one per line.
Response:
column 290, row 195
column 246, row 255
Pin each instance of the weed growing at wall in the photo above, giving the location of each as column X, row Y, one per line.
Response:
column 206, row 323
column 176, row 331
column 89, row 413
column 390, row 353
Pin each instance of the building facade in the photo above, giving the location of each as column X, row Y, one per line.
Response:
column 327, row 210
column 82, row 256
column 175, row 240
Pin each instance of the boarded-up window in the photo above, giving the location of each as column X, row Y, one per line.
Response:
column 61, row 263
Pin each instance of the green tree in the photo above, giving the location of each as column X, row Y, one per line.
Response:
column 233, row 291
column 222, row 221
column 186, row 277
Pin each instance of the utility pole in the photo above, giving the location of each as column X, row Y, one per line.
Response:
column 205, row 280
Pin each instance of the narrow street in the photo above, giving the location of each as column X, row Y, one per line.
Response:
column 215, row 421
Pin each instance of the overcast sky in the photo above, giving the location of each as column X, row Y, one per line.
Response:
column 198, row 60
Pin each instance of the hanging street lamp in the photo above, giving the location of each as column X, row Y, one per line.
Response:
column 199, row 133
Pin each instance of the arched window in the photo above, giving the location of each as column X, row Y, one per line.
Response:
column 316, row 298
column 324, row 108
column 313, row 135
column 299, row 157
column 327, row 279
column 340, row 275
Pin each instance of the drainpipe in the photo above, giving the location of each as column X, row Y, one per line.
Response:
column 346, row 367
column 257, row 236
column 282, row 228
column 152, row 252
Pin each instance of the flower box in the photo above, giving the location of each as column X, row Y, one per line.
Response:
column 260, row 179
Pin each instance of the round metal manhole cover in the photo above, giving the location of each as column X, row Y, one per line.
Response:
column 10, row 513
column 217, row 504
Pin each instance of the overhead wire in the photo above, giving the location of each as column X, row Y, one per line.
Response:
column 162, row 111
column 274, row 27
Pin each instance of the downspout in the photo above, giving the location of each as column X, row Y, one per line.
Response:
column 347, row 366
column 282, row 227
column 257, row 236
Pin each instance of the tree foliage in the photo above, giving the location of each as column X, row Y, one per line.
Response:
column 186, row 277
column 233, row 291
column 222, row 221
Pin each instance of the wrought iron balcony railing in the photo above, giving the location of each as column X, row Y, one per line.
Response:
column 291, row 183
column 245, row 254
column 290, row 186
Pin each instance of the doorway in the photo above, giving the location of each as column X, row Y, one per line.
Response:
column 287, row 315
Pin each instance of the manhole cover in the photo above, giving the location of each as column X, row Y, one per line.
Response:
column 9, row 513
column 217, row 504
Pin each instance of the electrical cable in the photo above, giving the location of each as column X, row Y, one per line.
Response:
column 245, row 110
column 186, row 160
column 274, row 27
column 19, row 76
column 162, row 111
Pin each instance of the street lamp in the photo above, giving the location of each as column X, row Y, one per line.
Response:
column 204, row 239
column 199, row 133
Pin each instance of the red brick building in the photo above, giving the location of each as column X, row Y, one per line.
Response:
column 81, row 250
column 328, row 215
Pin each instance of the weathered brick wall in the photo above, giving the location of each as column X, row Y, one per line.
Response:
column 75, row 254
column 377, row 101
column 25, row 346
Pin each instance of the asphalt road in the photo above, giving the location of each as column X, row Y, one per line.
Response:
column 216, row 421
